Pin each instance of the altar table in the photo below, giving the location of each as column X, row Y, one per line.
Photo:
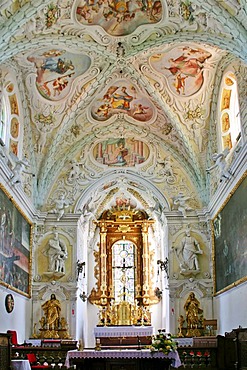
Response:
column 123, row 331
column 111, row 355
column 20, row 365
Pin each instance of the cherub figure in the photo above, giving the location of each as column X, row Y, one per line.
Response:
column 21, row 165
column 42, row 322
column 60, row 205
column 220, row 162
column 75, row 170
column 167, row 169
column 180, row 201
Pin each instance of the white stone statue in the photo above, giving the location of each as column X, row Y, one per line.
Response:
column 75, row 170
column 220, row 162
column 57, row 254
column 60, row 205
column 167, row 169
column 2, row 150
column 180, row 201
column 21, row 165
column 188, row 253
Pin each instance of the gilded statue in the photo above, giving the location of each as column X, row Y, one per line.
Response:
column 181, row 322
column 52, row 310
column 193, row 312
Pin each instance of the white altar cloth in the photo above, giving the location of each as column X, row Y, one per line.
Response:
column 20, row 365
column 125, row 353
column 123, row 331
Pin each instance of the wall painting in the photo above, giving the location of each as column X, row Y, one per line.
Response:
column 15, row 242
column 230, row 240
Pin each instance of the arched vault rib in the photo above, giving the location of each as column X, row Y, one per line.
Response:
column 85, row 144
column 224, row 43
column 128, row 175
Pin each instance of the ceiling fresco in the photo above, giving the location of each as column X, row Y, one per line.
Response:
column 183, row 68
column 119, row 96
column 123, row 97
column 118, row 17
column 56, row 70
column 120, row 152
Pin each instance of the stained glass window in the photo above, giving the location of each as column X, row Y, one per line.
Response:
column 123, row 262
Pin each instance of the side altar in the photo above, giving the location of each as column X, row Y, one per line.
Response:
column 128, row 336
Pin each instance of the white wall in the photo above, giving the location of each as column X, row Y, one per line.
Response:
column 19, row 319
column 230, row 309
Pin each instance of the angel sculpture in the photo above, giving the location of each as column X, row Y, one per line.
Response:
column 21, row 166
column 180, row 201
column 220, row 162
column 60, row 205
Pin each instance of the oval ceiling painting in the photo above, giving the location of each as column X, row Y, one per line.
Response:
column 183, row 68
column 118, row 17
column 121, row 152
column 56, row 71
column 122, row 97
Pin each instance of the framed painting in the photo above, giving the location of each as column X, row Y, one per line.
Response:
column 15, row 246
column 230, row 240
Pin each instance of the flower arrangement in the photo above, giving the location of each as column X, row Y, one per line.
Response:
column 163, row 342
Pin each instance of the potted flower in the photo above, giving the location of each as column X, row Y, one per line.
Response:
column 163, row 342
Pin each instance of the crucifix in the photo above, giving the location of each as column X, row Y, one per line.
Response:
column 124, row 269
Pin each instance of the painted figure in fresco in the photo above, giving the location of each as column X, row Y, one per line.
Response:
column 123, row 98
column 120, row 99
column 119, row 154
column 225, row 122
column 116, row 16
column 59, row 84
column 57, row 65
column 52, row 310
column 56, row 85
column 189, row 64
column 139, row 109
column 180, row 83
column 220, row 162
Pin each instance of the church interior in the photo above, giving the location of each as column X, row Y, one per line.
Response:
column 123, row 176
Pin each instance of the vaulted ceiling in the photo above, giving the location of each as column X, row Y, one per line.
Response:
column 120, row 96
